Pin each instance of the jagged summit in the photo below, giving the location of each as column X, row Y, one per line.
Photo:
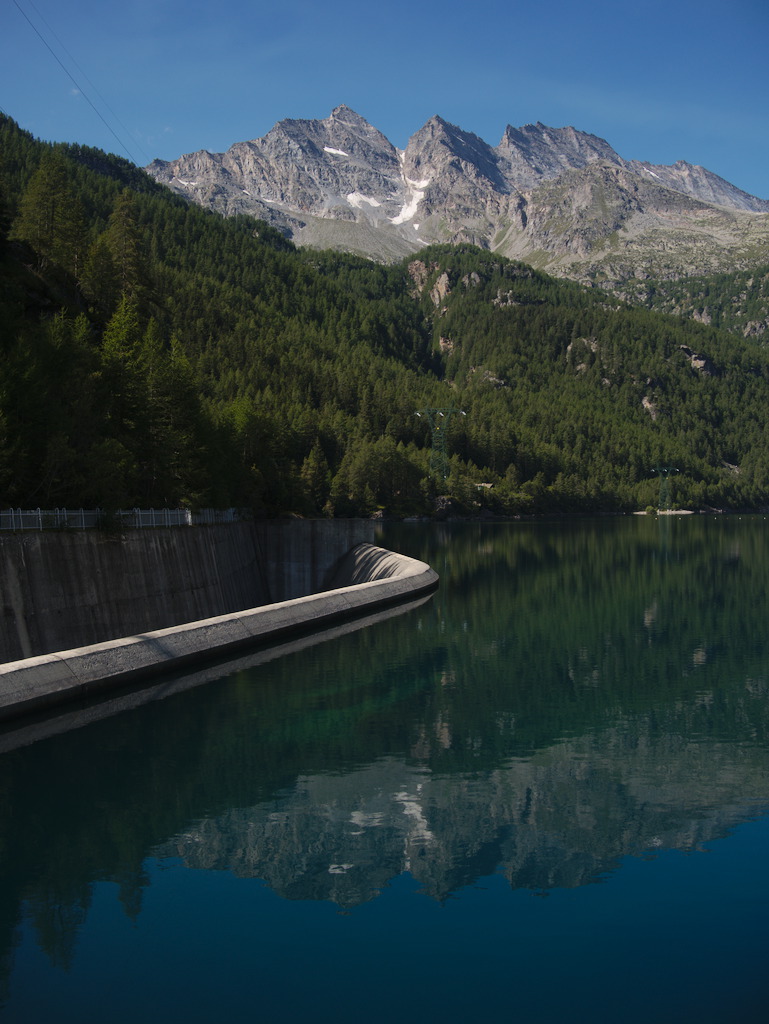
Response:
column 562, row 198
column 349, row 116
column 536, row 153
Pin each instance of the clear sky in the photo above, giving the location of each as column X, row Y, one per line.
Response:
column 660, row 80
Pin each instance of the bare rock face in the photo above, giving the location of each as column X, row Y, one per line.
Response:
column 559, row 198
column 536, row 153
column 458, row 190
column 418, row 272
column 317, row 167
column 338, row 168
column 440, row 290
column 699, row 362
column 700, row 183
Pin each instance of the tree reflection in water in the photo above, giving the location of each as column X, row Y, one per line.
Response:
column 574, row 693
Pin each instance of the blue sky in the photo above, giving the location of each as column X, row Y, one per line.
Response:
column 660, row 80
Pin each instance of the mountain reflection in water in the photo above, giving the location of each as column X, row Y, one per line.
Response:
column 574, row 693
column 662, row 769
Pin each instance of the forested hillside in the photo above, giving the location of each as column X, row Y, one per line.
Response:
column 737, row 302
column 157, row 354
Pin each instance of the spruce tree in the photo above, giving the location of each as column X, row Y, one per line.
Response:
column 51, row 216
column 124, row 241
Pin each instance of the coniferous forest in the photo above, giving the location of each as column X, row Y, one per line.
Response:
column 155, row 354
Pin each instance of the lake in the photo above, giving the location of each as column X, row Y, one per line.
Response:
column 540, row 795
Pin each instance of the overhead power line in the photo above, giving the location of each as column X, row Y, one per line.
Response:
column 72, row 78
column 85, row 76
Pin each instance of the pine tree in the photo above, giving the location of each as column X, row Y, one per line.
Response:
column 124, row 240
column 315, row 477
column 51, row 215
column 99, row 279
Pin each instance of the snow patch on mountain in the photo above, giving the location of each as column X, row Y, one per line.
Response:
column 409, row 211
column 562, row 196
column 356, row 199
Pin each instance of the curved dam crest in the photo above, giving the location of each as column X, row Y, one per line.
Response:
column 364, row 579
column 70, row 588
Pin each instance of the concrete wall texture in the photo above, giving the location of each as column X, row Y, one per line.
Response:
column 60, row 590
column 367, row 578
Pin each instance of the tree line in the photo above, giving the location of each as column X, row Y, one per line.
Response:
column 154, row 353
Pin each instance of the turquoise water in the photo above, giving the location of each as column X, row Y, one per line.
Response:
column 541, row 796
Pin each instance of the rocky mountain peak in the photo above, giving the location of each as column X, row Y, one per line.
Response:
column 558, row 197
column 347, row 116
column 441, row 148
column 345, row 113
column 343, row 133
column 536, row 153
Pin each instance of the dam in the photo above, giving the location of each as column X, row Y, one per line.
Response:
column 84, row 611
column 548, row 779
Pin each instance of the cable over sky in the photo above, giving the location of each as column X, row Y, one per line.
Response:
column 664, row 81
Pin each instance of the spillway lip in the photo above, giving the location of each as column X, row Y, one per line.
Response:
column 367, row 578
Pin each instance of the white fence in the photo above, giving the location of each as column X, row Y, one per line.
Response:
column 89, row 518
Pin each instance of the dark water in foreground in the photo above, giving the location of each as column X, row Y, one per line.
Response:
column 541, row 796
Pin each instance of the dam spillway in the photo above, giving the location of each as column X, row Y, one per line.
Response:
column 70, row 588
column 89, row 586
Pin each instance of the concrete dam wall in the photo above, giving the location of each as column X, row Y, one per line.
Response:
column 367, row 579
column 62, row 590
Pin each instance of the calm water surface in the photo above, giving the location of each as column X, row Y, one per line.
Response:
column 540, row 796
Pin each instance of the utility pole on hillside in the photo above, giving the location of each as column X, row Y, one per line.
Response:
column 438, row 420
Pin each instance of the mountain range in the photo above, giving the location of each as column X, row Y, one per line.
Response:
column 558, row 198
column 156, row 353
